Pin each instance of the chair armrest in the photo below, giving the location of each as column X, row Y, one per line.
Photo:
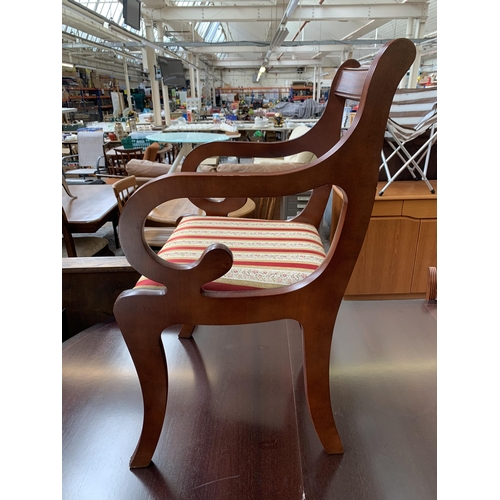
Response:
column 217, row 259
column 69, row 158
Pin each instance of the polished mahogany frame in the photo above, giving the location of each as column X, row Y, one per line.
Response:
column 350, row 161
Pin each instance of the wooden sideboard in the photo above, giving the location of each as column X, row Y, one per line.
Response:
column 90, row 286
column 400, row 244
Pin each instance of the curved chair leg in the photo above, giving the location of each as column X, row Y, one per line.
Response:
column 186, row 331
column 142, row 334
column 317, row 339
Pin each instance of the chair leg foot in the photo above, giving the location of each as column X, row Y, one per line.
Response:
column 431, row 290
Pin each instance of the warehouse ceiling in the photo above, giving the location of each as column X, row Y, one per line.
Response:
column 246, row 34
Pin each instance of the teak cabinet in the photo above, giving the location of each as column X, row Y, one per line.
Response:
column 400, row 244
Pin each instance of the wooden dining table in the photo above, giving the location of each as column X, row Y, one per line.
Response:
column 90, row 208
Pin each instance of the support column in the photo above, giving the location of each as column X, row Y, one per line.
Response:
column 198, row 86
column 314, row 82
column 127, row 84
column 192, row 82
column 166, row 104
column 151, row 60
column 164, row 88
column 318, row 86
column 213, row 92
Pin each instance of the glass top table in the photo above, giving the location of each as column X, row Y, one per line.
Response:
column 186, row 139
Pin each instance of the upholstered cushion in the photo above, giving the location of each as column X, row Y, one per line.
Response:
column 207, row 168
column 304, row 157
column 270, row 166
column 266, row 253
column 145, row 168
column 300, row 158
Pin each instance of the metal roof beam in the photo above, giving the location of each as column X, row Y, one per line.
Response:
column 211, row 13
column 272, row 63
column 248, row 46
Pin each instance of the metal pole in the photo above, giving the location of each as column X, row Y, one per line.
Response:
column 127, row 84
column 155, row 88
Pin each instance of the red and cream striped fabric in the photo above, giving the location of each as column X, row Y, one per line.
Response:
column 266, row 253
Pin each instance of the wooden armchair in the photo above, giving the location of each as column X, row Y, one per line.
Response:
column 124, row 189
column 217, row 270
column 119, row 159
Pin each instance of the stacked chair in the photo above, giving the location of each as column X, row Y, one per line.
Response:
column 413, row 114
column 219, row 270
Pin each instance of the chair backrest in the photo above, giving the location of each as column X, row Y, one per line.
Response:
column 119, row 159
column 89, row 147
column 123, row 189
column 108, row 146
column 151, row 152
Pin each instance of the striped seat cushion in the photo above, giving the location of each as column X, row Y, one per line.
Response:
column 266, row 253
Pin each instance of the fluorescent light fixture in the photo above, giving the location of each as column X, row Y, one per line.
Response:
column 68, row 65
column 262, row 70
column 289, row 10
column 279, row 37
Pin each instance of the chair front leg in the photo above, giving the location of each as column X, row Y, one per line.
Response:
column 317, row 338
column 142, row 334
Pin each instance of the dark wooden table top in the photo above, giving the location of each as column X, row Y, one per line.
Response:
column 237, row 423
column 93, row 206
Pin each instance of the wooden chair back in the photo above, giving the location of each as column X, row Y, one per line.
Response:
column 119, row 159
column 264, row 208
column 108, row 146
column 123, row 189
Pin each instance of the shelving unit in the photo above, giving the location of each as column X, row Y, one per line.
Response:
column 88, row 101
column 280, row 92
column 301, row 92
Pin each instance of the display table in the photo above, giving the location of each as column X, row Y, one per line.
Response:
column 242, row 126
column 400, row 244
column 186, row 141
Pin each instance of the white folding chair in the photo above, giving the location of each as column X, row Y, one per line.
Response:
column 413, row 113
column 89, row 156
